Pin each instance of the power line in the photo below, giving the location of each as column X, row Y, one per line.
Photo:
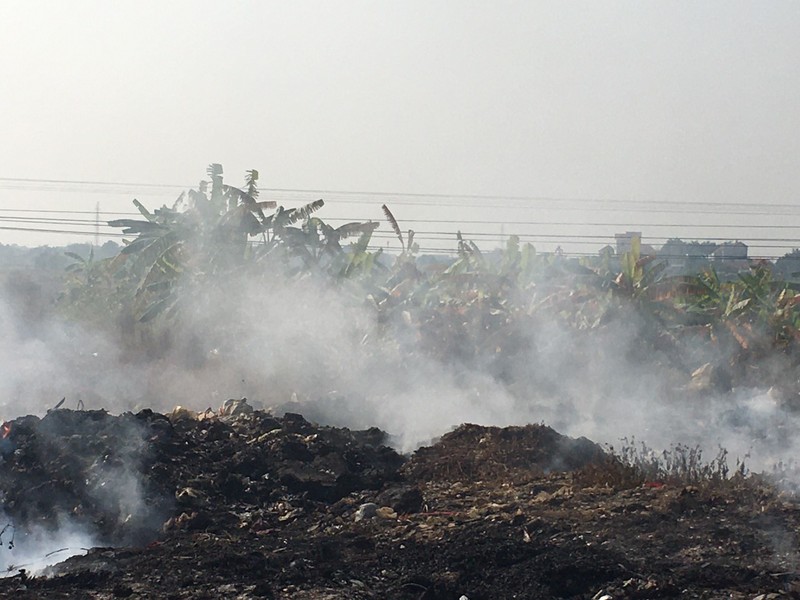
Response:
column 507, row 222
column 60, row 211
column 408, row 195
column 449, row 238
column 646, row 210
column 420, row 233
column 88, row 182
column 446, row 236
column 70, row 231
column 426, row 249
column 432, row 230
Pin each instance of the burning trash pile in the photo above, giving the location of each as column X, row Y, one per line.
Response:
column 240, row 503
column 123, row 476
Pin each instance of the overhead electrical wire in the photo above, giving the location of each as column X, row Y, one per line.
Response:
column 432, row 230
column 424, row 249
column 438, row 232
column 506, row 222
column 102, row 187
column 441, row 235
column 70, row 231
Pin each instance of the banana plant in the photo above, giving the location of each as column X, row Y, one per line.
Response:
column 407, row 246
column 317, row 245
column 638, row 271
column 84, row 268
column 360, row 261
column 765, row 307
column 93, row 289
column 204, row 233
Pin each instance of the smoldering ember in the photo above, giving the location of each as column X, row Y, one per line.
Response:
column 243, row 401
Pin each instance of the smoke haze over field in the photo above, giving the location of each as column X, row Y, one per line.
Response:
column 563, row 122
column 314, row 349
column 685, row 106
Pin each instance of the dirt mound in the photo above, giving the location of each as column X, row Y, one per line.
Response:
column 243, row 504
column 473, row 452
column 121, row 477
column 87, row 467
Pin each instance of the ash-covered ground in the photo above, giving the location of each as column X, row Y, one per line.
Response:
column 245, row 504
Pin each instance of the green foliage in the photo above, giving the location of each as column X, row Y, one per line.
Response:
column 208, row 234
column 94, row 290
column 478, row 308
column 788, row 265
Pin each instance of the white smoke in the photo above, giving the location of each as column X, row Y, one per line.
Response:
column 36, row 548
column 319, row 350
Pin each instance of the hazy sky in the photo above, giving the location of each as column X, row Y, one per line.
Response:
column 647, row 101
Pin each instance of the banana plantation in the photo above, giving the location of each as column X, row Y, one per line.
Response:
column 479, row 310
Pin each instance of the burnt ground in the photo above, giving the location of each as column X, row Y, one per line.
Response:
column 251, row 505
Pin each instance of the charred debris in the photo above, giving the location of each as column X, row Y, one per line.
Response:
column 240, row 503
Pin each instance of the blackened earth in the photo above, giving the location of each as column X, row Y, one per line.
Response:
column 259, row 506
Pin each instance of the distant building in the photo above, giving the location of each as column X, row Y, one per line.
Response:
column 730, row 251
column 625, row 243
column 625, row 240
column 677, row 249
column 607, row 251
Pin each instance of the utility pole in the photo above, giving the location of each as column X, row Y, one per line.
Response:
column 97, row 224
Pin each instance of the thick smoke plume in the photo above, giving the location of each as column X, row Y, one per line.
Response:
column 316, row 349
column 311, row 347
